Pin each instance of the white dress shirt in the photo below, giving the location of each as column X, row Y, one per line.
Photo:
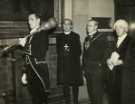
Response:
column 121, row 39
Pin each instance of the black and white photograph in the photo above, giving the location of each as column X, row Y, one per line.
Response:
column 67, row 52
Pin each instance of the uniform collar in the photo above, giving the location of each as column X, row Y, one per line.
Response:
column 92, row 33
column 34, row 30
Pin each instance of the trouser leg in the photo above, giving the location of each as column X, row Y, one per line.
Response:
column 75, row 91
column 95, row 88
column 67, row 96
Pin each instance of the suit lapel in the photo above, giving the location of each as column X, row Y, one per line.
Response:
column 89, row 42
column 97, row 35
column 123, row 44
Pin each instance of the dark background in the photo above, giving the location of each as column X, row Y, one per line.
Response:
column 104, row 22
column 125, row 9
column 18, row 9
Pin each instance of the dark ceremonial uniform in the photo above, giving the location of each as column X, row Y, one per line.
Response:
column 37, row 69
column 68, row 63
column 93, row 65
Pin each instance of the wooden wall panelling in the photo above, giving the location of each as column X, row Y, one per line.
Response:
column 13, row 29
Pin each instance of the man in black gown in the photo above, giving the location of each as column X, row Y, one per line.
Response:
column 68, row 69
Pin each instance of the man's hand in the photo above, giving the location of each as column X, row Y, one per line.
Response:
column 114, row 57
column 110, row 64
column 118, row 62
column 24, row 79
column 22, row 41
column 114, row 60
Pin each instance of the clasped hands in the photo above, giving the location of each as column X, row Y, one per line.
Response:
column 114, row 60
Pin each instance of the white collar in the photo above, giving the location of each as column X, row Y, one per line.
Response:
column 121, row 39
column 34, row 30
column 123, row 36
column 67, row 33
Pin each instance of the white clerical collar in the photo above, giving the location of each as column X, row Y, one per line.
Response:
column 92, row 33
column 121, row 39
column 34, row 30
column 67, row 33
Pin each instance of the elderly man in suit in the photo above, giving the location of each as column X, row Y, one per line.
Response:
column 95, row 46
column 122, row 64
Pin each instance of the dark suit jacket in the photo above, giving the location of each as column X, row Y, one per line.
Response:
column 122, row 51
column 68, row 62
column 123, row 47
column 127, row 70
column 124, row 75
column 94, row 55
